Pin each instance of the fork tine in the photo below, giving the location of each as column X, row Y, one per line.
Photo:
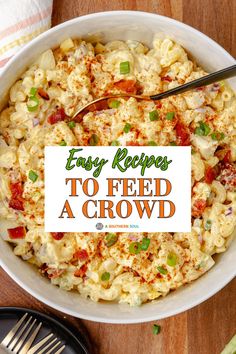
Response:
column 13, row 331
column 40, row 344
column 28, row 343
column 22, row 340
column 60, row 350
column 19, row 334
column 47, row 346
column 54, row 347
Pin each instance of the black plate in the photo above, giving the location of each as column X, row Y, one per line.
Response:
column 73, row 340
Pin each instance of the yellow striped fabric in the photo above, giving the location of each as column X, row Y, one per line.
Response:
column 22, row 40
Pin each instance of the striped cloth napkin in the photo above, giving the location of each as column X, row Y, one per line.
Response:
column 21, row 21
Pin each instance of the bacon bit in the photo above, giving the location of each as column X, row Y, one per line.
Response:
column 158, row 104
column 17, row 232
column 198, row 208
column 58, row 116
column 183, row 136
column 210, row 174
column 166, row 78
column 16, row 201
column 228, row 176
column 81, row 272
column 43, row 94
column 129, row 86
column 57, row 235
column 82, row 255
column 55, row 274
column 44, row 268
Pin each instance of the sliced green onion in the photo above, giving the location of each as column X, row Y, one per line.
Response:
column 162, row 270
column 135, row 247
column 71, row 124
column 193, row 151
column 32, row 104
column 93, row 141
column 33, row 91
column 171, row 259
column 152, row 143
column 105, row 276
column 173, row 143
column 156, row 329
column 33, row 176
column 217, row 136
column 124, row 67
column 63, row 143
column 170, row 115
column 207, row 225
column 113, row 104
column 154, row 115
column 115, row 143
column 111, row 239
column 203, row 129
column 145, row 243
column 127, row 127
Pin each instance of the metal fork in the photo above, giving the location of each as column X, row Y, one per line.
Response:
column 19, row 341
column 15, row 341
column 47, row 349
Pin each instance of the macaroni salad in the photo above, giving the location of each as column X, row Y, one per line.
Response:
column 130, row 267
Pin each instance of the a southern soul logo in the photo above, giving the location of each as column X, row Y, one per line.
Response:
column 117, row 189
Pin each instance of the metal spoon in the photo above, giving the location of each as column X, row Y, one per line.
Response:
column 203, row 81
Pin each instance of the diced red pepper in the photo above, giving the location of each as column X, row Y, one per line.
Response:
column 210, row 174
column 81, row 272
column 82, row 255
column 182, row 133
column 133, row 143
column 166, row 78
column 57, row 235
column 16, row 201
column 158, row 104
column 58, row 116
column 129, row 86
column 227, row 157
column 198, row 208
column 43, row 94
column 17, row 232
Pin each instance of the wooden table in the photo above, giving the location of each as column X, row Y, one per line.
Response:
column 208, row 327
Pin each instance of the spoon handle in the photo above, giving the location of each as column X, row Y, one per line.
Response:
column 203, row 81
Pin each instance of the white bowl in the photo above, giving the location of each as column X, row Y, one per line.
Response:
column 120, row 25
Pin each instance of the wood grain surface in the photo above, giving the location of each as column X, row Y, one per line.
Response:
column 208, row 327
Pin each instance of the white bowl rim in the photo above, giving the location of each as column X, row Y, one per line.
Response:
column 34, row 293
column 142, row 319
